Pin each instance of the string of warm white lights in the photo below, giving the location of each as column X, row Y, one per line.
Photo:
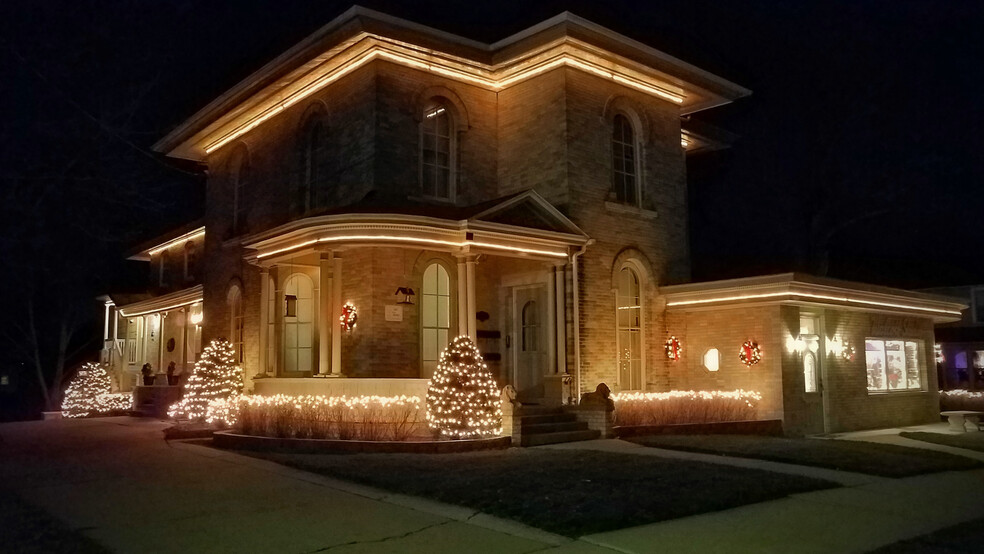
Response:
column 749, row 397
column 216, row 377
column 463, row 397
column 229, row 411
column 88, row 394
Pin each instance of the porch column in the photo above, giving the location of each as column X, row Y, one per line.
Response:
column 106, row 325
column 160, row 343
column 325, row 294
column 185, row 316
column 560, row 319
column 278, row 326
column 264, row 320
column 470, row 285
column 550, row 329
column 116, row 323
column 462, row 298
column 336, row 313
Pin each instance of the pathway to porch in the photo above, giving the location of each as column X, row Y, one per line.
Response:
column 117, row 481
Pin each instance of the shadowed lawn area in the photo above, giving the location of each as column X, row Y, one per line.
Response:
column 26, row 529
column 963, row 537
column 571, row 493
column 970, row 441
column 885, row 460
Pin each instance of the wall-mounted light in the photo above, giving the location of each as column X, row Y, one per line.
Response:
column 407, row 294
column 196, row 318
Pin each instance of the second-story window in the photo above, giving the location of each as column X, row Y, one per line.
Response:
column 310, row 194
column 625, row 178
column 437, row 153
column 239, row 174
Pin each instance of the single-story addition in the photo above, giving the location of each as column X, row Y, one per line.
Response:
column 826, row 355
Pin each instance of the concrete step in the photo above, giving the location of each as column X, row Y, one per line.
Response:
column 553, row 427
column 555, row 438
column 551, row 418
column 535, row 409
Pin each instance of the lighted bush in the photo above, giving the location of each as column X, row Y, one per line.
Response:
column 216, row 378
column 88, row 394
column 675, row 407
column 961, row 400
column 370, row 418
column 463, row 397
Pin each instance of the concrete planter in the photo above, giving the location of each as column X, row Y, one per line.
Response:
column 228, row 439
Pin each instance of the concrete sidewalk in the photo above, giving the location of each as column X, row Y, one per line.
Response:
column 119, row 482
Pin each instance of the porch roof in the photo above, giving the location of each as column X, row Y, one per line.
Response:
column 520, row 225
column 163, row 303
column 801, row 289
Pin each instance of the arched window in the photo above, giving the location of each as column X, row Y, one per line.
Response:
column 625, row 169
column 298, row 323
column 435, row 316
column 437, row 156
column 310, row 194
column 628, row 315
column 236, row 322
column 239, row 175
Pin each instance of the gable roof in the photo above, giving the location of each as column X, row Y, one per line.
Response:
column 360, row 36
column 528, row 209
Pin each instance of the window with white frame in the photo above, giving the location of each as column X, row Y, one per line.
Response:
column 809, row 333
column 625, row 169
column 893, row 365
column 236, row 322
column 437, row 156
column 628, row 316
column 435, row 316
column 298, row 323
column 132, row 332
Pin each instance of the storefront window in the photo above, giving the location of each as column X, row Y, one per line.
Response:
column 893, row 365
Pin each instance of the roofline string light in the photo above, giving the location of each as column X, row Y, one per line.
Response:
column 396, row 238
column 508, row 73
column 176, row 241
column 811, row 295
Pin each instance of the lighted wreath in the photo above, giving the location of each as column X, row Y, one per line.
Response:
column 349, row 317
column 673, row 348
column 750, row 353
column 848, row 352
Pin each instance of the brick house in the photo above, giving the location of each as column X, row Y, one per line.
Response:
column 531, row 193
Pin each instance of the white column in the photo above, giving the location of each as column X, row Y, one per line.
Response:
column 160, row 344
column 278, row 326
column 105, row 325
column 462, row 298
column 470, row 285
column 325, row 322
column 116, row 323
column 561, row 318
column 550, row 329
column 265, row 320
column 336, row 312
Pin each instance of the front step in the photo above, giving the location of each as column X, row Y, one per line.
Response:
column 541, row 425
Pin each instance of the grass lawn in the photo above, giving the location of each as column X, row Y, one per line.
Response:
column 571, row 493
column 26, row 529
column 963, row 537
column 885, row 460
column 970, row 441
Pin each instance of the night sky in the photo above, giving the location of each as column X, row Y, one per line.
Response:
column 858, row 153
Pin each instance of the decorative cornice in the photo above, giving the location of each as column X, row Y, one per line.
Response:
column 163, row 303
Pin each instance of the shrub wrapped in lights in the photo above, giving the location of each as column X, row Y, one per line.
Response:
column 216, row 377
column 88, row 394
column 463, row 398
column 369, row 418
column 678, row 407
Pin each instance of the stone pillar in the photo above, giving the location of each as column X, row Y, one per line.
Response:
column 462, row 298
column 470, row 285
column 265, row 320
column 336, row 313
column 325, row 294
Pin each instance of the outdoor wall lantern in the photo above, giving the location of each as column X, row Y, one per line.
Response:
column 407, row 294
column 291, row 308
column 196, row 319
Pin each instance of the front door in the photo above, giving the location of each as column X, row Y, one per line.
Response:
column 529, row 340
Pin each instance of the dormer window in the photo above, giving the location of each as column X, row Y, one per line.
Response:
column 625, row 168
column 437, row 153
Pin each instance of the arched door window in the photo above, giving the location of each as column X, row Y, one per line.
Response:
column 435, row 316
column 628, row 315
column 437, row 154
column 298, row 323
column 236, row 322
column 625, row 181
column 530, row 327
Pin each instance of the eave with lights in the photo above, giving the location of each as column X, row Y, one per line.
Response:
column 799, row 289
column 360, row 36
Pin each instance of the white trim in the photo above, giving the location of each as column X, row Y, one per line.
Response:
column 163, row 303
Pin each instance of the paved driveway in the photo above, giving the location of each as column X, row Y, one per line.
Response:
column 121, row 484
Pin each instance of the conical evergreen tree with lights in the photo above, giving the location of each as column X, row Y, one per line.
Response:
column 216, row 377
column 463, row 397
column 82, row 395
